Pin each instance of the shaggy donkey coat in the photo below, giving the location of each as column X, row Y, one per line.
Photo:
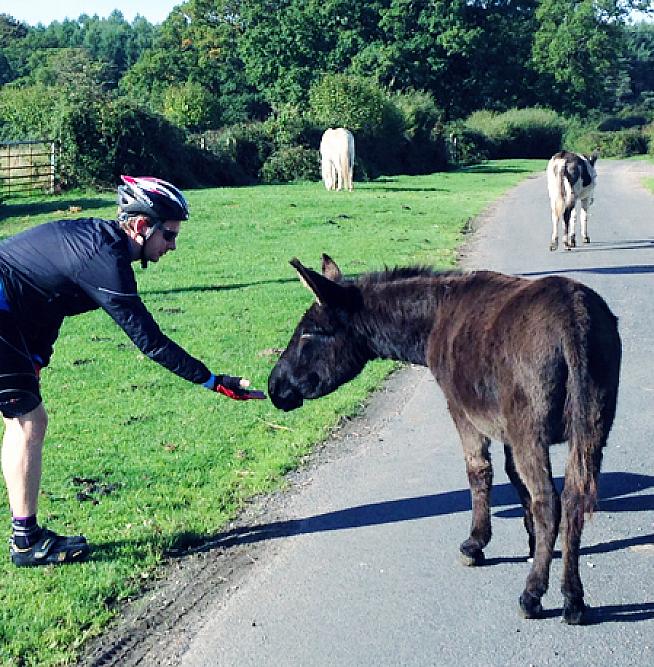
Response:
column 528, row 363
column 571, row 181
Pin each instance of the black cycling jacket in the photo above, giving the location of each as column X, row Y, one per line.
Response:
column 69, row 267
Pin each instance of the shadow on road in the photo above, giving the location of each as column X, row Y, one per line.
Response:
column 616, row 495
column 606, row 270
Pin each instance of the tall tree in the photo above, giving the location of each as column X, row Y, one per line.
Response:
column 578, row 48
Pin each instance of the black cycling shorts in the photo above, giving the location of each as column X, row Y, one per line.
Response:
column 19, row 385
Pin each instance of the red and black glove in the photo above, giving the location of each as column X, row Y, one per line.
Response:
column 235, row 387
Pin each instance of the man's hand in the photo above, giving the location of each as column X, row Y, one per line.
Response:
column 236, row 388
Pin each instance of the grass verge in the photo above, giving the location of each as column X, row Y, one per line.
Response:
column 141, row 461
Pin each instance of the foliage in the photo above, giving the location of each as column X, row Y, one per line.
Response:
column 392, row 71
column 526, row 133
column 291, row 163
column 167, row 478
column 290, row 127
column 111, row 42
column 190, row 106
column 341, row 100
column 624, row 122
column 248, row 144
column 466, row 146
column 577, row 50
column 618, row 144
column 639, row 61
column 28, row 113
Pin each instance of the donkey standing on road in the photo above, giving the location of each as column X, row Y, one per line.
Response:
column 571, row 183
column 529, row 363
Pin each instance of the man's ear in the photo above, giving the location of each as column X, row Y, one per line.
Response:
column 141, row 223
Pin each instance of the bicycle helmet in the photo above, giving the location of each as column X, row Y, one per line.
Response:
column 152, row 197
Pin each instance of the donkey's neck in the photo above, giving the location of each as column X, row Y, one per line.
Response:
column 399, row 316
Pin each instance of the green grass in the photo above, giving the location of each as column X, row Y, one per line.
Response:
column 172, row 462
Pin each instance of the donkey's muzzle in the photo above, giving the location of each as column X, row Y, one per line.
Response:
column 283, row 394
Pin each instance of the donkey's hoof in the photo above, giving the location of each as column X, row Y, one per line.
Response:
column 574, row 613
column 553, row 246
column 471, row 556
column 586, row 239
column 530, row 607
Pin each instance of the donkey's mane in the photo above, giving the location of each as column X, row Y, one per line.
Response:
column 398, row 273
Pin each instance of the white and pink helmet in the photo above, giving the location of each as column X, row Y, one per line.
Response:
column 152, row 197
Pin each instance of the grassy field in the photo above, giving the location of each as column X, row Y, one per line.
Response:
column 142, row 462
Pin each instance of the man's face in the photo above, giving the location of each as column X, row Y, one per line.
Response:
column 163, row 240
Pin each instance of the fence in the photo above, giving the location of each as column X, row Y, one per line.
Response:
column 27, row 167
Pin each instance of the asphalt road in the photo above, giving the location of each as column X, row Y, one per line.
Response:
column 358, row 565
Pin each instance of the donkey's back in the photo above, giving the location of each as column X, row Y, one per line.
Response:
column 512, row 352
column 530, row 363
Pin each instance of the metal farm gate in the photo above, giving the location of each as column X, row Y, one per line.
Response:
column 27, row 167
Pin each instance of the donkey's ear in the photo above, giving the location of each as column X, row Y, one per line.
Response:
column 326, row 291
column 330, row 269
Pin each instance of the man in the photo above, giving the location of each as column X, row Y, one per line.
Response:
column 65, row 268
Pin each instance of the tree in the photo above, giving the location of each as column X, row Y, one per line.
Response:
column 577, row 49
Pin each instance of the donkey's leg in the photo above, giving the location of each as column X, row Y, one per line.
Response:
column 554, row 243
column 583, row 216
column 533, row 465
column 567, row 229
column 480, row 477
column 523, row 493
column 572, row 215
column 572, row 524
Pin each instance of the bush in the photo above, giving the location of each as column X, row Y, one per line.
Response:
column 393, row 134
column 106, row 136
column 291, row 163
column 247, row 144
column 357, row 103
column 519, row 133
column 616, row 123
column 466, row 146
column 290, row 127
column 27, row 113
column 620, row 144
column 425, row 149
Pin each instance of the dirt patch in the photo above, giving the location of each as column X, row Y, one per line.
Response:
column 156, row 628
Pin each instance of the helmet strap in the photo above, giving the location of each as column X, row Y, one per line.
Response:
column 151, row 229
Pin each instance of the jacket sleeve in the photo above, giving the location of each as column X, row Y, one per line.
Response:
column 109, row 280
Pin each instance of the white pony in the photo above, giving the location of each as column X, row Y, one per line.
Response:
column 571, row 181
column 337, row 158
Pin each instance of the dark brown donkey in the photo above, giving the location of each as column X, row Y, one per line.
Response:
column 525, row 362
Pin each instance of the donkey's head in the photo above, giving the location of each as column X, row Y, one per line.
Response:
column 325, row 351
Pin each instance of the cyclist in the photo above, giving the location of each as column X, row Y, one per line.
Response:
column 64, row 268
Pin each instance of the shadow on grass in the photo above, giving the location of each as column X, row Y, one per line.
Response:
column 400, row 188
column 37, row 208
column 496, row 169
column 219, row 288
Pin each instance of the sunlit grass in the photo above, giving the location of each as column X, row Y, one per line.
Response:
column 167, row 463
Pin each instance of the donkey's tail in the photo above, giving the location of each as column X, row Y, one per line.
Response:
column 560, row 188
column 586, row 426
column 345, row 164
